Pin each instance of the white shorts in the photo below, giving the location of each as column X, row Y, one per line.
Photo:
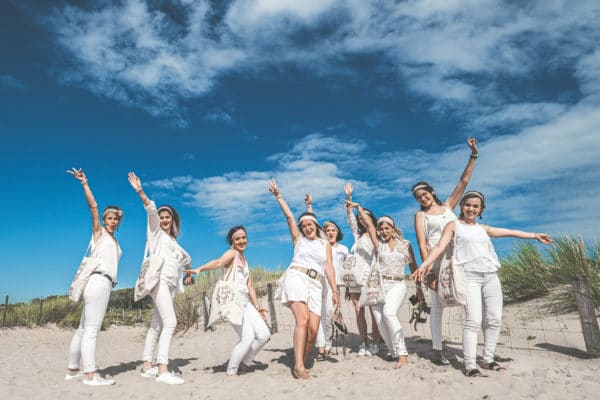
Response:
column 298, row 286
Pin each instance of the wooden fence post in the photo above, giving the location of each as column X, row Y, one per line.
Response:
column 205, row 311
column 5, row 309
column 274, row 327
column 140, row 315
column 39, row 320
column 587, row 313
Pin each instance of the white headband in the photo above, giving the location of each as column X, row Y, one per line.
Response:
column 386, row 219
column 474, row 193
column 308, row 217
column 112, row 210
column 423, row 186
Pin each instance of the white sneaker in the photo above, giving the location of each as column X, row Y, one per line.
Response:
column 373, row 349
column 362, row 350
column 73, row 377
column 169, row 378
column 97, row 380
column 151, row 372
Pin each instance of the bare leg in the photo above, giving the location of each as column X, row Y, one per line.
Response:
column 361, row 321
column 313, row 328
column 302, row 317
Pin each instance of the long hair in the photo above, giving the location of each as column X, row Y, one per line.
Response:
column 176, row 224
column 427, row 187
column 363, row 229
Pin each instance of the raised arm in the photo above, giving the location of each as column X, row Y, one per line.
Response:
column 153, row 219
column 222, row 262
column 371, row 230
column 435, row 252
column 503, row 232
column 420, row 233
column 289, row 217
column 308, row 202
column 349, row 213
column 459, row 190
column 91, row 201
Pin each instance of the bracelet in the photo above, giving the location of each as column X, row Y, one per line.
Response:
column 139, row 190
column 277, row 196
column 474, row 155
column 84, row 181
column 257, row 306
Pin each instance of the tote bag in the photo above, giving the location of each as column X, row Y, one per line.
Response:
column 88, row 264
column 226, row 303
column 149, row 274
column 352, row 274
column 451, row 282
column 373, row 291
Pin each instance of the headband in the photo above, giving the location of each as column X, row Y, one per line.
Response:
column 113, row 210
column 165, row 208
column 473, row 193
column 386, row 219
column 308, row 217
column 173, row 224
column 419, row 187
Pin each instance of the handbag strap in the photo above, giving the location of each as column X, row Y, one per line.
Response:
column 233, row 267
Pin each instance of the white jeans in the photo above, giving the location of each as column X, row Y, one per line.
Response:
column 386, row 317
column 484, row 298
column 83, row 344
column 435, row 321
column 254, row 334
column 325, row 328
column 162, row 327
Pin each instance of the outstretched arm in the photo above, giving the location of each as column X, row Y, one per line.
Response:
column 435, row 252
column 222, row 262
column 503, row 232
column 289, row 217
column 459, row 190
column 91, row 201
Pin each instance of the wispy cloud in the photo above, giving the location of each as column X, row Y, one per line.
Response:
column 10, row 82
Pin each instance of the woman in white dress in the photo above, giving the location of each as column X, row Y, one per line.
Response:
column 302, row 288
column 474, row 251
column 254, row 332
column 82, row 350
column 162, row 231
column 393, row 255
column 339, row 254
column 429, row 224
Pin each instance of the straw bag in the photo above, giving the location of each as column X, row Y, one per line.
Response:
column 149, row 274
column 88, row 264
column 451, row 282
column 351, row 272
column 226, row 303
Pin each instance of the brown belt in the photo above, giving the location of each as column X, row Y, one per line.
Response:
column 392, row 278
column 312, row 273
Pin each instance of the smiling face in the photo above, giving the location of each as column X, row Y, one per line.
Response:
column 166, row 221
column 386, row 231
column 309, row 229
column 470, row 209
column 424, row 198
column 332, row 233
column 111, row 222
column 239, row 240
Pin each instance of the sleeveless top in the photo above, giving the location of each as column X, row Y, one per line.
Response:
column 474, row 249
column 339, row 253
column 310, row 254
column 241, row 272
column 108, row 250
column 393, row 262
column 166, row 246
column 434, row 225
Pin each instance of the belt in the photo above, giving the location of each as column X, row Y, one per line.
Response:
column 107, row 276
column 312, row 273
column 392, row 278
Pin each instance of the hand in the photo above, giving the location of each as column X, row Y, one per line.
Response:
column 78, row 174
column 348, row 189
column 543, row 238
column 418, row 275
column 308, row 200
column 273, row 188
column 188, row 280
column 335, row 298
column 263, row 313
column 134, row 181
column 350, row 204
column 190, row 272
column 472, row 142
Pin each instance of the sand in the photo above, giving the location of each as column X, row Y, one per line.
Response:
column 544, row 355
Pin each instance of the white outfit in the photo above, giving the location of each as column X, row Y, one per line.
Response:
column 434, row 226
column 362, row 249
column 484, row 297
column 95, row 300
column 298, row 286
column 254, row 332
column 339, row 253
column 176, row 259
column 391, row 267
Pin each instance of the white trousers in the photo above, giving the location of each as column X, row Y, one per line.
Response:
column 325, row 328
column 82, row 349
column 435, row 321
column 484, row 298
column 387, row 319
column 162, row 327
column 254, row 334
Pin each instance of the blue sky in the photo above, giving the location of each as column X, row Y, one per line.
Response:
column 206, row 101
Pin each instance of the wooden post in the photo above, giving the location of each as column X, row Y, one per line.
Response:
column 39, row 320
column 587, row 313
column 205, row 311
column 5, row 309
column 274, row 327
column 140, row 314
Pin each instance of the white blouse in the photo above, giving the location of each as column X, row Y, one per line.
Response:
column 474, row 249
column 108, row 250
column 393, row 262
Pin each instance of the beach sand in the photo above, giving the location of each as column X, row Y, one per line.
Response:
column 542, row 363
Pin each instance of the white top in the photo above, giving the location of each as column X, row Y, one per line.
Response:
column 339, row 253
column 162, row 244
column 108, row 250
column 474, row 249
column 310, row 254
column 393, row 262
column 434, row 225
column 241, row 274
column 363, row 247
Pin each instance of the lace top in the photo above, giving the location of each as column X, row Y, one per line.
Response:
column 393, row 262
